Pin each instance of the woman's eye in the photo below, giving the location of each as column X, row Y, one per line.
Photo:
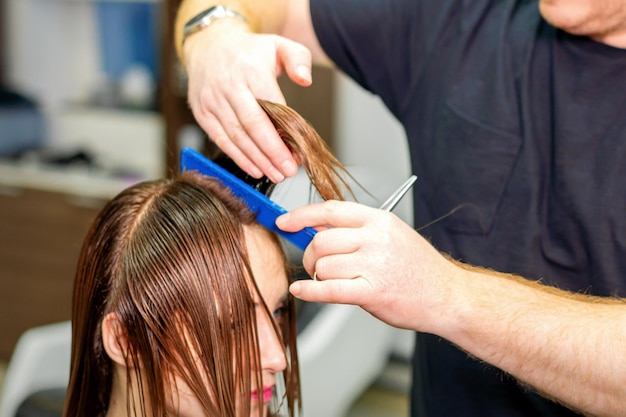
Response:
column 280, row 313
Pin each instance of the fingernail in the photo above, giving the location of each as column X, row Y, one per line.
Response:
column 280, row 220
column 255, row 172
column 304, row 73
column 289, row 168
column 295, row 288
column 275, row 175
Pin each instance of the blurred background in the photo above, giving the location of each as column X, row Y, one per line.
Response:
column 92, row 100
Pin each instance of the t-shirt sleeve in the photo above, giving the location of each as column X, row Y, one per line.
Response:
column 381, row 44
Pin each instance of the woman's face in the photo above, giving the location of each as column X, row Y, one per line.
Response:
column 269, row 271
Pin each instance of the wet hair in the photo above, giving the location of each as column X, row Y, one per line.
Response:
column 328, row 175
column 168, row 258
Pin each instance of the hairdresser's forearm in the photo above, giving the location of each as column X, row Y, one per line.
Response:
column 263, row 16
column 566, row 346
column 290, row 19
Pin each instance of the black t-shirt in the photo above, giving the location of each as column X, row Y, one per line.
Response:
column 515, row 128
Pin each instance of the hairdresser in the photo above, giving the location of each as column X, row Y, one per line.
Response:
column 514, row 116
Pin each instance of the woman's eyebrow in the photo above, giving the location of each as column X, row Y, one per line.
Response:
column 283, row 299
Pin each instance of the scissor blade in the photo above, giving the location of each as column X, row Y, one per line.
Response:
column 395, row 198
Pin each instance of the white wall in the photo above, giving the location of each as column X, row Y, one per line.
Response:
column 52, row 50
column 366, row 131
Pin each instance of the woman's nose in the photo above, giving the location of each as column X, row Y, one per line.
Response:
column 273, row 357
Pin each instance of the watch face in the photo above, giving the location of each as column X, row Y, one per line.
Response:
column 204, row 19
column 196, row 21
column 217, row 11
column 200, row 16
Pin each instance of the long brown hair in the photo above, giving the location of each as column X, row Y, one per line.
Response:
column 327, row 174
column 170, row 254
column 165, row 256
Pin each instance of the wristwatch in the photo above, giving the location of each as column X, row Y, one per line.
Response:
column 208, row 16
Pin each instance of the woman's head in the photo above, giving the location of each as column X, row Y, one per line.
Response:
column 180, row 297
column 179, row 291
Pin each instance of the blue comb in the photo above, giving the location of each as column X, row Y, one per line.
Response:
column 265, row 209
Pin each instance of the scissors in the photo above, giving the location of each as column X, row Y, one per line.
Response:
column 395, row 198
column 266, row 210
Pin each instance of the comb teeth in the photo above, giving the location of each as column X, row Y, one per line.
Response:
column 263, row 185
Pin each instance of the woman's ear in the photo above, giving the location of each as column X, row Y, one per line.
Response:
column 114, row 339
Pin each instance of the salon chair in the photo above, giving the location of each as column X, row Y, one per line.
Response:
column 34, row 384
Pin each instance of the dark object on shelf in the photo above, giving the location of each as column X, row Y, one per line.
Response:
column 21, row 123
column 77, row 157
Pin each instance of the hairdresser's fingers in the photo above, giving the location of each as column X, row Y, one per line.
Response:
column 229, row 117
column 329, row 213
column 228, row 70
column 327, row 246
column 392, row 272
column 256, row 138
column 221, row 139
column 354, row 228
column 241, row 116
column 336, row 291
column 347, row 253
column 296, row 60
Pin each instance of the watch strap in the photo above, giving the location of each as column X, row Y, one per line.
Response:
column 206, row 17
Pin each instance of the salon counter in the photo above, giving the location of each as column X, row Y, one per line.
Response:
column 44, row 216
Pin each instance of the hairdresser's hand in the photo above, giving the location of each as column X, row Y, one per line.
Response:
column 228, row 70
column 371, row 258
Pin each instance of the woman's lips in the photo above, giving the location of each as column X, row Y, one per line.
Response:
column 267, row 394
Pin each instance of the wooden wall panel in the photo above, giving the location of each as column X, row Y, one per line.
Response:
column 40, row 238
